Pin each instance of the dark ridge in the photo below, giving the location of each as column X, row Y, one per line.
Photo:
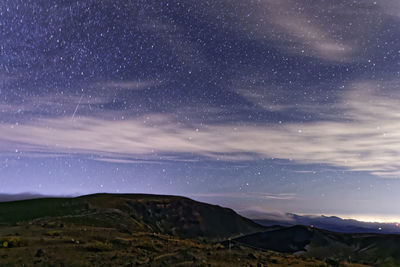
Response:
column 174, row 215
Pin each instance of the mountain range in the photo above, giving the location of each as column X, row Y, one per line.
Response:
column 331, row 223
column 154, row 230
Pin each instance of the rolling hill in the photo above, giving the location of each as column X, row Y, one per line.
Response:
column 371, row 249
column 172, row 215
column 331, row 223
column 153, row 230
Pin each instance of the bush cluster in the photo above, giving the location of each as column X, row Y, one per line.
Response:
column 99, row 246
column 11, row 242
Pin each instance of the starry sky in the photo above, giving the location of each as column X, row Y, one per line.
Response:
column 258, row 105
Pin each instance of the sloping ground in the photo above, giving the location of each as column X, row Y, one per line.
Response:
column 373, row 249
column 52, row 244
column 288, row 240
column 172, row 215
column 129, row 230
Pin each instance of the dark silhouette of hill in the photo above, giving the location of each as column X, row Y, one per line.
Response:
column 154, row 230
column 331, row 223
column 15, row 197
column 372, row 249
column 130, row 230
column 172, row 215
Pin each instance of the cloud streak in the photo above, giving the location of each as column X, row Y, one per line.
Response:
column 257, row 195
column 366, row 139
column 129, row 85
column 333, row 31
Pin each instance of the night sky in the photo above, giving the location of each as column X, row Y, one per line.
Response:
column 258, row 105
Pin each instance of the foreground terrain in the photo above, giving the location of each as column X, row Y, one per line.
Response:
column 139, row 230
column 370, row 249
column 97, row 246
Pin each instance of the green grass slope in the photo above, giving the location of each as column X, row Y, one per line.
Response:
column 172, row 215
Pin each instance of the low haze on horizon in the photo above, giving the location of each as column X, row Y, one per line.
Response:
column 261, row 105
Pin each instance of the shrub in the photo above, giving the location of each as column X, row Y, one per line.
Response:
column 11, row 242
column 219, row 246
column 99, row 246
column 53, row 233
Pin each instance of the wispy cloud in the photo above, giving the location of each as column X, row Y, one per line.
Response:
column 143, row 159
column 261, row 214
column 257, row 195
column 51, row 105
column 334, row 31
column 284, row 196
column 129, row 85
column 309, row 35
column 367, row 138
column 391, row 7
column 286, row 98
column 174, row 37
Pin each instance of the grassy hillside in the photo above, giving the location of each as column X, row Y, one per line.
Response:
column 130, row 230
column 131, row 213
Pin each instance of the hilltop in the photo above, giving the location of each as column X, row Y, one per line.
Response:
column 173, row 215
